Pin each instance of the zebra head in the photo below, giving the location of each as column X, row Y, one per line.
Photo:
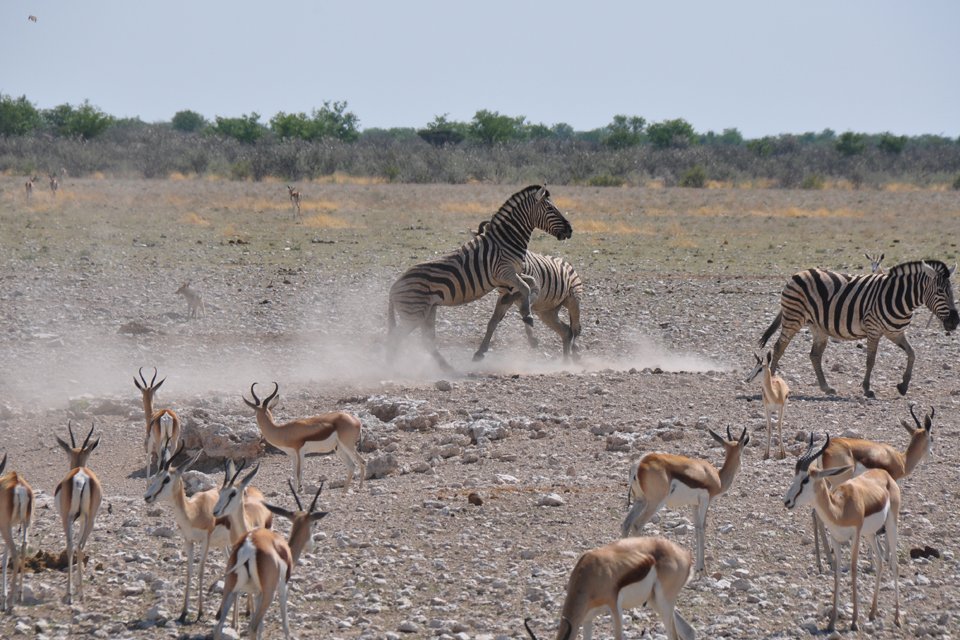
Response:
column 546, row 216
column 938, row 294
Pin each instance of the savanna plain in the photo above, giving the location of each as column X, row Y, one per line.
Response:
column 679, row 286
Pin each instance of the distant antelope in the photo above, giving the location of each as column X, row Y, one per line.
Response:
column 78, row 499
column 54, row 184
column 774, row 393
column 875, row 264
column 16, row 512
column 29, row 186
column 295, row 201
column 163, row 426
column 336, row 431
column 659, row 479
column 262, row 561
column 195, row 306
column 859, row 507
column 625, row 574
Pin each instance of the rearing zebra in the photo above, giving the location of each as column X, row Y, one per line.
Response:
column 849, row 307
column 488, row 261
column 557, row 285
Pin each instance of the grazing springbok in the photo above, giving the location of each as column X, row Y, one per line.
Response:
column 194, row 516
column 16, row 512
column 195, row 306
column 29, row 186
column 336, row 431
column 262, row 561
column 78, row 499
column 859, row 507
column 54, row 184
column 295, row 201
column 875, row 264
column 774, row 393
column 861, row 455
column 659, row 479
column 163, row 426
column 625, row 574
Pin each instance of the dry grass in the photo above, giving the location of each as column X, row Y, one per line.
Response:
column 325, row 221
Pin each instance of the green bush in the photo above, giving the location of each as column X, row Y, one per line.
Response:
column 671, row 133
column 17, row 117
column 489, row 128
column 624, row 132
column 246, row 129
column 332, row 120
column 892, row 144
column 86, row 121
column 695, row 177
column 956, row 182
column 851, row 144
column 812, row 181
column 188, row 121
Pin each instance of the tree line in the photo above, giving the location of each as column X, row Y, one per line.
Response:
column 490, row 147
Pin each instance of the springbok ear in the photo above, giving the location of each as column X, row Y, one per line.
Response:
column 280, row 511
column 880, row 259
column 829, row 473
column 64, row 445
column 716, row 436
column 318, row 515
column 192, row 461
column 906, row 425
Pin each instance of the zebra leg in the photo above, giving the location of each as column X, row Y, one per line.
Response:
column 572, row 303
column 551, row 319
column 503, row 305
column 786, row 335
column 872, row 344
column 816, row 357
column 430, row 339
column 901, row 341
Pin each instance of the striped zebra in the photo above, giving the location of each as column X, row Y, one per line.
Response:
column 852, row 307
column 488, row 261
column 557, row 285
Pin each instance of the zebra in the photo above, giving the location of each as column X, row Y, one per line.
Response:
column 557, row 285
column 488, row 261
column 852, row 307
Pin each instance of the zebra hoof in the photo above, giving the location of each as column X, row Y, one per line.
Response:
column 902, row 388
column 869, row 393
column 528, row 320
column 478, row 356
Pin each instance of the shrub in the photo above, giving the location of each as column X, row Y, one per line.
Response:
column 812, row 181
column 246, row 129
column 851, row 144
column 188, row 121
column 695, row 177
column 956, row 182
column 892, row 144
column 489, row 127
column 17, row 117
column 86, row 121
column 671, row 133
column 624, row 132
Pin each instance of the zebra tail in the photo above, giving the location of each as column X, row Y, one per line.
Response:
column 771, row 329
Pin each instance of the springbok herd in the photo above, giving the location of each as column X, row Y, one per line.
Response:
column 850, row 484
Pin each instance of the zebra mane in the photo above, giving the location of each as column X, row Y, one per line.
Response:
column 916, row 265
column 516, row 199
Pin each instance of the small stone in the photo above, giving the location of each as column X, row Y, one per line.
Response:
column 443, row 385
column 475, row 499
column 550, row 500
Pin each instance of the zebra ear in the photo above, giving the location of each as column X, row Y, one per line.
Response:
column 930, row 271
column 952, row 269
column 541, row 194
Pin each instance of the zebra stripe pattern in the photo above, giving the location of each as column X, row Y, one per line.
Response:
column 853, row 307
column 557, row 285
column 493, row 259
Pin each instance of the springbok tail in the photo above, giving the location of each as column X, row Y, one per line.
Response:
column 771, row 329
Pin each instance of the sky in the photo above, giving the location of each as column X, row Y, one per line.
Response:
column 763, row 67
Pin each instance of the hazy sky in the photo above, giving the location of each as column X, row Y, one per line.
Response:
column 764, row 66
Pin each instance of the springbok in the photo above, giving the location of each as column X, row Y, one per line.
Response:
column 262, row 561
column 163, row 426
column 336, row 431
column 16, row 512
column 659, row 479
column 861, row 506
column 78, row 498
column 195, row 306
column 861, row 455
column 54, row 184
column 194, row 516
column 295, row 201
column 774, row 391
column 625, row 574
column 875, row 263
column 29, row 186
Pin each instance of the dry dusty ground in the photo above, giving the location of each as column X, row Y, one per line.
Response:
column 683, row 280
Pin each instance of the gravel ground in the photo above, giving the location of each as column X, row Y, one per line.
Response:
column 87, row 298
